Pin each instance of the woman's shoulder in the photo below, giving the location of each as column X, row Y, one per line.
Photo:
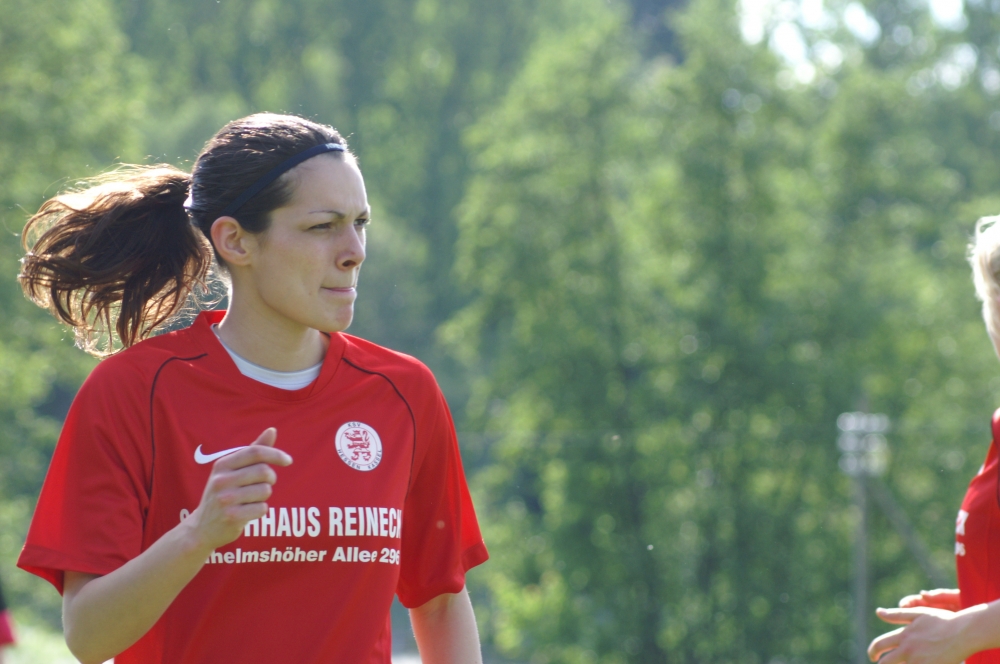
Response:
column 394, row 365
column 138, row 364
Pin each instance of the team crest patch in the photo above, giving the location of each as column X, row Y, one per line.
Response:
column 359, row 446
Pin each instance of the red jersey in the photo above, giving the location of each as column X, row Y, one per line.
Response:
column 977, row 540
column 375, row 503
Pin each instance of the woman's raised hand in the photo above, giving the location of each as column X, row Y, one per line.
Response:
column 941, row 598
column 104, row 615
column 237, row 491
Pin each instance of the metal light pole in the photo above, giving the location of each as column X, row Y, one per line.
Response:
column 865, row 455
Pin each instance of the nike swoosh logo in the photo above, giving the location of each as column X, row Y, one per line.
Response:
column 209, row 458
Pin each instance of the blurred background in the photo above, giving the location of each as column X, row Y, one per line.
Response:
column 652, row 249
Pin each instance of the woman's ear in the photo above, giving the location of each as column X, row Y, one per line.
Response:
column 231, row 241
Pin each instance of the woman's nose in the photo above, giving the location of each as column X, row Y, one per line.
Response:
column 353, row 254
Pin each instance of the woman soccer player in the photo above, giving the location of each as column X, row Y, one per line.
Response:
column 947, row 626
column 162, row 520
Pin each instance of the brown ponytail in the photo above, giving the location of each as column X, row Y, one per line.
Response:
column 118, row 258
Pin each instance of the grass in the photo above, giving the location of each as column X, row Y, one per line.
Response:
column 38, row 645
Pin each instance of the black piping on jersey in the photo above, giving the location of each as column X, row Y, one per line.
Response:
column 152, row 430
column 413, row 420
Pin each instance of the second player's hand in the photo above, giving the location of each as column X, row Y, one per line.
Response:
column 930, row 636
column 236, row 492
column 941, row 598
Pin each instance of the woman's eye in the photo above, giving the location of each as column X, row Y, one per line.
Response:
column 362, row 221
column 321, row 227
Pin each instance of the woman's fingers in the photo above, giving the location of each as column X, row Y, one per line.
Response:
column 244, row 495
column 253, row 454
column 267, row 437
column 884, row 643
column 255, row 474
column 261, row 450
column 913, row 600
column 940, row 592
column 942, row 598
column 246, row 512
column 220, row 484
column 939, row 598
column 900, row 616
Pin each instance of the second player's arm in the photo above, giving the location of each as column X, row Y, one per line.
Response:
column 982, row 626
column 104, row 615
column 937, row 636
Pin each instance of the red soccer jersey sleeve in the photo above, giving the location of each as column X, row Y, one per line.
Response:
column 89, row 516
column 441, row 539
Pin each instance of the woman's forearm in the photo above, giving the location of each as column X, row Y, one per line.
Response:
column 981, row 626
column 104, row 615
column 446, row 632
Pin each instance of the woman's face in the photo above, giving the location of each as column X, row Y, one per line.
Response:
column 304, row 268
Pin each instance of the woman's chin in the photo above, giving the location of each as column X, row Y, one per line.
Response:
column 337, row 322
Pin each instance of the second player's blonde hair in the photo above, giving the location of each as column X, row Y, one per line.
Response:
column 984, row 255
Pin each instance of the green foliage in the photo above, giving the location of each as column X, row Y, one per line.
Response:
column 67, row 99
column 682, row 275
column 401, row 79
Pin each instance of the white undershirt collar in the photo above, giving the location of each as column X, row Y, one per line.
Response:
column 285, row 380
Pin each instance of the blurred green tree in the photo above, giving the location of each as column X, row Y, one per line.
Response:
column 402, row 79
column 682, row 275
column 69, row 93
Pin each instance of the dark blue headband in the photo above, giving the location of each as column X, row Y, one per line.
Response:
column 277, row 172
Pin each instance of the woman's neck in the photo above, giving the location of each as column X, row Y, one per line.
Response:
column 273, row 342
